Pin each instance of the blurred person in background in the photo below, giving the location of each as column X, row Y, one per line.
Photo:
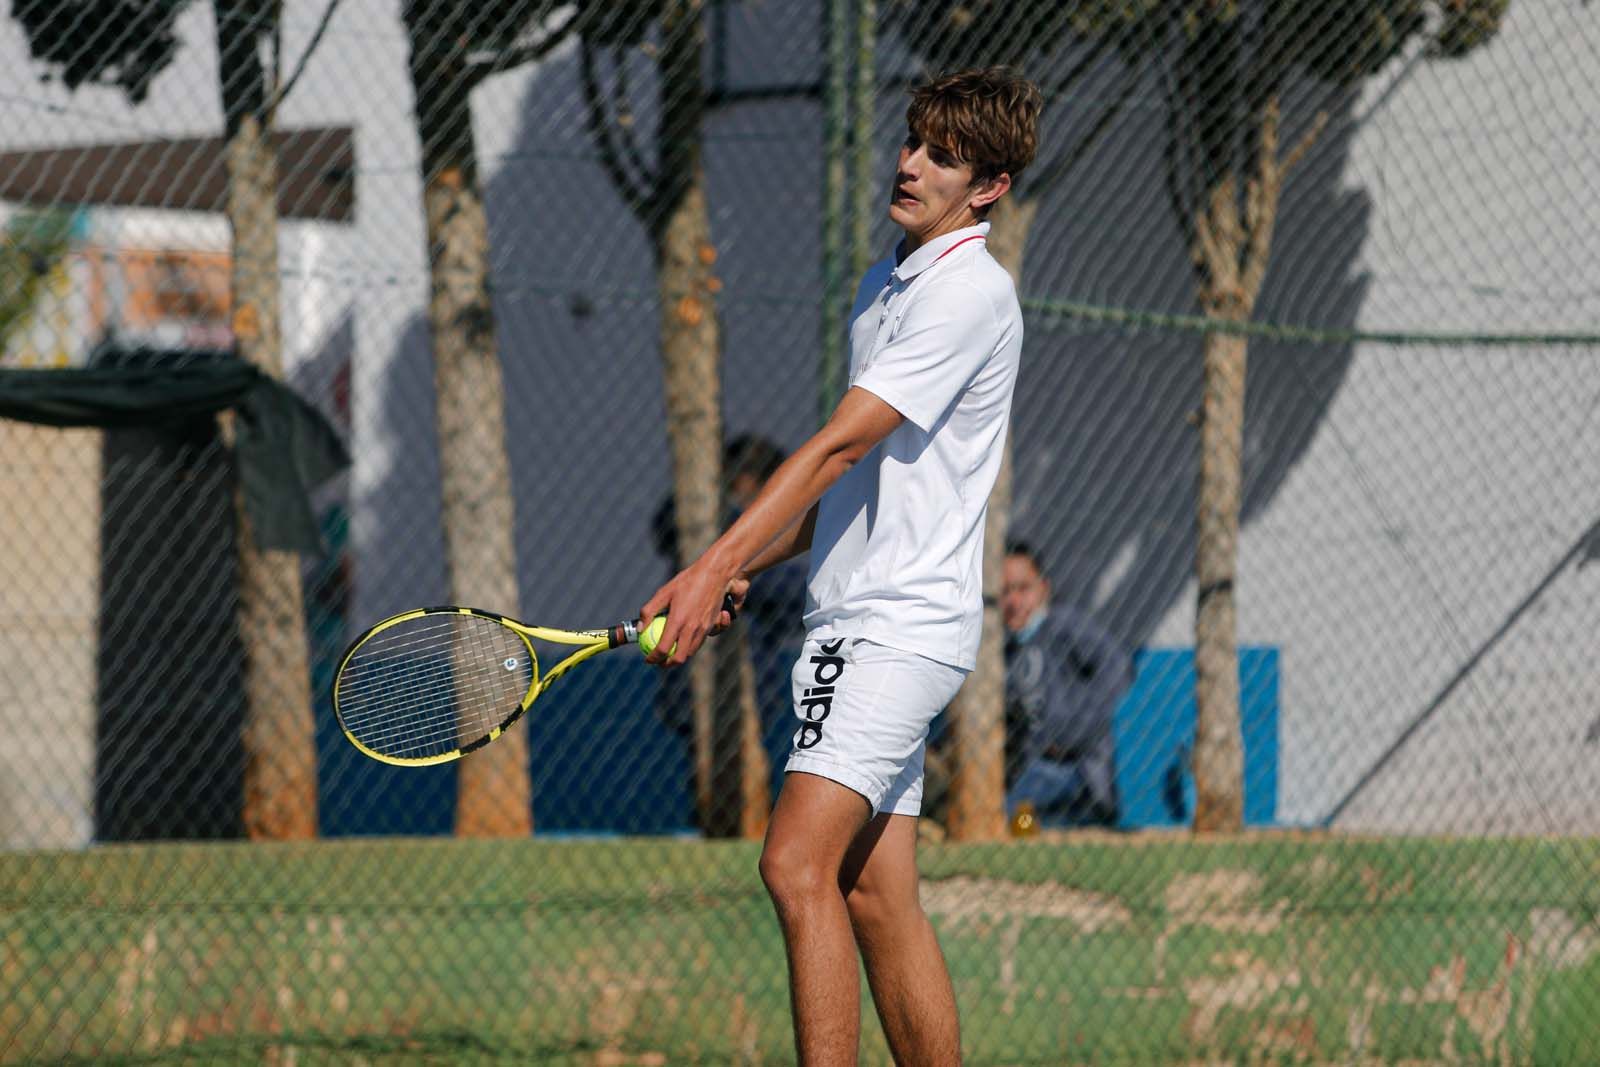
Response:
column 772, row 610
column 1065, row 675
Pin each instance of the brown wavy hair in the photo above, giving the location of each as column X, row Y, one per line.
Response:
column 988, row 117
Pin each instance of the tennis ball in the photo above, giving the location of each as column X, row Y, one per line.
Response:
column 652, row 634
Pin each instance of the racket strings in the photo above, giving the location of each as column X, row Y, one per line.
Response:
column 430, row 685
column 453, row 691
column 383, row 677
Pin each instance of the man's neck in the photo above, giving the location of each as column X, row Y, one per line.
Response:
column 911, row 242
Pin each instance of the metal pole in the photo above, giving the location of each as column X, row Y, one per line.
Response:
column 830, row 366
column 719, row 46
column 869, row 190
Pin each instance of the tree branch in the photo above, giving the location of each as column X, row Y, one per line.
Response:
column 1175, row 155
column 277, row 61
column 1302, row 146
column 621, row 95
column 1263, row 193
column 682, row 96
column 1208, row 77
column 601, row 133
column 241, row 77
column 284, row 88
column 1281, row 39
column 507, row 58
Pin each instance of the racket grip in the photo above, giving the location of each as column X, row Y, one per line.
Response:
column 627, row 633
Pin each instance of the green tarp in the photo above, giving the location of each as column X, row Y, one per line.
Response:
column 283, row 446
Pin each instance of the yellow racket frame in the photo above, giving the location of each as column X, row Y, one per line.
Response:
column 591, row 642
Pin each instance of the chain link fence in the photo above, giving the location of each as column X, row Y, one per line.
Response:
column 319, row 311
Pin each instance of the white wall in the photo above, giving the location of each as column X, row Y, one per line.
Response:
column 49, row 600
column 1445, row 484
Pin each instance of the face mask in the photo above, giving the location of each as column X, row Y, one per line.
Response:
column 1031, row 627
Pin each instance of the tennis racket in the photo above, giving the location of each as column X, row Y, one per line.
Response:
column 430, row 685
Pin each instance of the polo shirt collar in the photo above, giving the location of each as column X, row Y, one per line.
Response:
column 926, row 256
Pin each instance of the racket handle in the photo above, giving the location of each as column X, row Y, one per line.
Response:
column 627, row 633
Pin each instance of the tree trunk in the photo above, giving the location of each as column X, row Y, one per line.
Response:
column 977, row 715
column 280, row 759
column 1232, row 244
column 736, row 691
column 756, row 811
column 692, row 376
column 494, row 790
column 280, row 782
column 1218, row 753
column 1230, row 277
column 722, row 683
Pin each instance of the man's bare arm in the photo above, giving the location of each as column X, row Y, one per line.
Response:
column 693, row 598
column 793, row 541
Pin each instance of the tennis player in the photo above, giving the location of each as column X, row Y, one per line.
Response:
column 890, row 498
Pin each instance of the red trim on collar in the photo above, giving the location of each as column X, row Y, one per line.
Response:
column 958, row 244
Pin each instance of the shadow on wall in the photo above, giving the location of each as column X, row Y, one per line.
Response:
column 1105, row 438
column 400, row 561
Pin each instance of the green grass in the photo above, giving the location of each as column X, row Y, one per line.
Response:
column 1264, row 950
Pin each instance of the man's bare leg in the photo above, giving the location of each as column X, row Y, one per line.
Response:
column 812, row 827
column 905, row 967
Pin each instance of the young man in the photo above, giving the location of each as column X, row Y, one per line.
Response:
column 890, row 498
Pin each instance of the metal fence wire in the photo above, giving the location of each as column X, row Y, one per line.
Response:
column 317, row 311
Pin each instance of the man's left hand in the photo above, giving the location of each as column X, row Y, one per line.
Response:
column 693, row 603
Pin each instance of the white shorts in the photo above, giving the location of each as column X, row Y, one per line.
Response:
column 864, row 711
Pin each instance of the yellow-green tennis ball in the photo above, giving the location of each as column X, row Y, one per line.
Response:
column 652, row 634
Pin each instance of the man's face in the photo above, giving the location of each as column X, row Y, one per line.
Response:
column 1023, row 591
column 932, row 191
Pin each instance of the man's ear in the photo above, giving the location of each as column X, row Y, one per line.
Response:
column 990, row 191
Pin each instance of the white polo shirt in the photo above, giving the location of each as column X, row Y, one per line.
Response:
column 897, row 554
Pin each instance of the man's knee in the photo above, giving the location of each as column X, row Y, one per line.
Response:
column 870, row 911
column 880, row 910
column 793, row 875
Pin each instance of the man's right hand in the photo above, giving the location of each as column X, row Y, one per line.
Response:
column 738, row 589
